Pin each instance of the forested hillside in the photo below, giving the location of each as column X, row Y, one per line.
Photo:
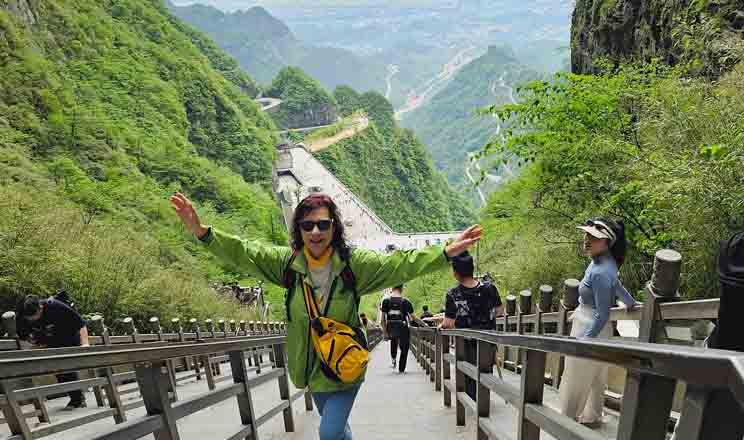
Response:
column 450, row 124
column 305, row 103
column 106, row 108
column 392, row 171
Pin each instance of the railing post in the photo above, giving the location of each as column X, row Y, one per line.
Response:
column 245, row 401
column 511, row 310
column 533, row 383
column 158, row 329
column 195, row 328
column 176, row 324
column 112, row 394
column 525, row 307
column 569, row 302
column 96, row 325
column 129, row 322
column 460, row 386
column 153, row 384
column 432, row 351
column 256, row 357
column 279, row 356
column 446, row 372
column 483, row 394
column 437, row 361
column 647, row 400
column 9, row 323
column 13, row 413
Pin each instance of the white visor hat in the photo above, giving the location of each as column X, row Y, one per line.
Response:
column 599, row 229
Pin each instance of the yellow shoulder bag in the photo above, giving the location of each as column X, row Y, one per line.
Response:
column 342, row 349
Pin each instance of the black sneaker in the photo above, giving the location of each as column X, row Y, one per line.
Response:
column 74, row 405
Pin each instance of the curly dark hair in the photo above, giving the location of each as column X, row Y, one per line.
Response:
column 307, row 205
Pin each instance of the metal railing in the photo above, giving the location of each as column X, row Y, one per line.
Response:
column 652, row 369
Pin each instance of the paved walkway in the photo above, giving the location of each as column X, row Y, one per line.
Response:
column 390, row 406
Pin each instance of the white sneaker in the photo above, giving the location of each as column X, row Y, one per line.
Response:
column 393, row 365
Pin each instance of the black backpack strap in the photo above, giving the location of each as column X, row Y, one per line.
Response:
column 348, row 277
column 288, row 282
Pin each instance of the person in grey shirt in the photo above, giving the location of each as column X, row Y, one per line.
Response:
column 584, row 382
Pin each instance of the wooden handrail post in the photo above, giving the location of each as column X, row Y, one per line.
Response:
column 153, row 384
column 195, row 328
column 279, row 356
column 432, row 352
column 533, row 383
column 95, row 325
column 256, row 358
column 129, row 322
column 647, row 399
column 112, row 394
column 12, row 411
column 483, row 395
column 569, row 302
column 437, row 361
column 460, row 386
column 245, row 401
column 446, row 372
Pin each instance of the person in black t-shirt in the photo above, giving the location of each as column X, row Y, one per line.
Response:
column 397, row 316
column 426, row 314
column 52, row 323
column 471, row 304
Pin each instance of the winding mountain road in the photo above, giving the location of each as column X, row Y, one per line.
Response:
column 470, row 162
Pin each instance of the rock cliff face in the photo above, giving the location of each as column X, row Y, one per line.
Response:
column 705, row 35
column 312, row 116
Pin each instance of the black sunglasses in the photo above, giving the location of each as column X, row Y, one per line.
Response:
column 309, row 225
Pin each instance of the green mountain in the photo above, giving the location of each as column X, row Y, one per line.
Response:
column 393, row 173
column 304, row 101
column 449, row 125
column 107, row 108
column 264, row 45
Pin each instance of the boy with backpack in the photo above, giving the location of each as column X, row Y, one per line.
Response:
column 397, row 315
column 471, row 304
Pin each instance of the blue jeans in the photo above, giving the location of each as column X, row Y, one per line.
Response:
column 334, row 408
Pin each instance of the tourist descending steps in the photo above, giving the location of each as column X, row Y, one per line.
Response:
column 584, row 382
column 397, row 316
column 324, row 280
column 471, row 304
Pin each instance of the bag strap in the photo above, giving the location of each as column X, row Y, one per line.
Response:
column 289, row 274
column 288, row 282
column 312, row 306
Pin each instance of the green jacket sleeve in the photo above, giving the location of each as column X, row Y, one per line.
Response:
column 249, row 257
column 374, row 271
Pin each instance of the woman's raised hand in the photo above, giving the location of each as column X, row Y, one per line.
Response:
column 462, row 242
column 187, row 214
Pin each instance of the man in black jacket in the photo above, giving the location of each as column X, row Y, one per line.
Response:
column 52, row 323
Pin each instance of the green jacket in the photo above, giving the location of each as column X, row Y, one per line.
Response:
column 373, row 272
